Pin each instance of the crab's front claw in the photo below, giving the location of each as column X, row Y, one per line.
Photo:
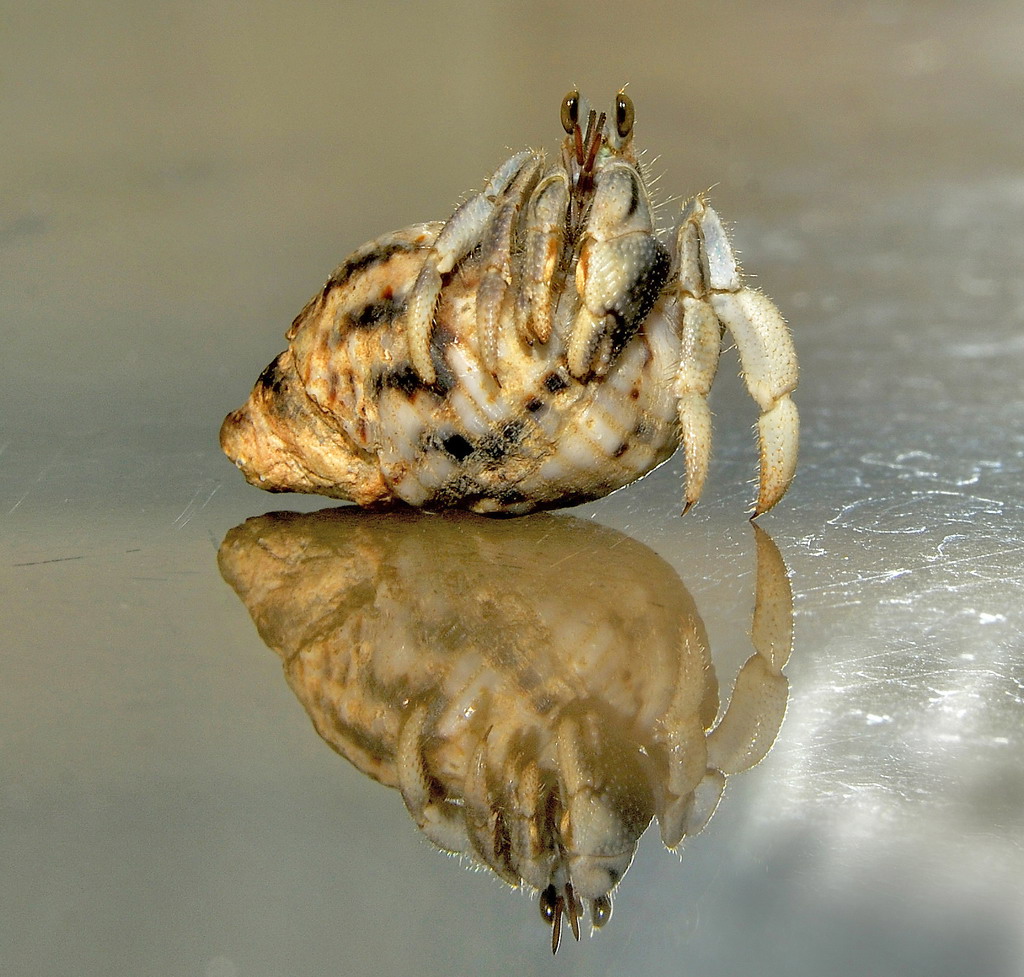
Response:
column 606, row 806
column 618, row 281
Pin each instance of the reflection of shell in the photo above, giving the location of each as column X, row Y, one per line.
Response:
column 537, row 692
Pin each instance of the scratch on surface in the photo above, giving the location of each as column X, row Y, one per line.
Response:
column 190, row 510
column 43, row 472
column 933, row 564
column 56, row 559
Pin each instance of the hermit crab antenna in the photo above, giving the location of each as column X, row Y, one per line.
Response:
column 554, row 905
column 592, row 142
column 577, row 136
column 573, row 909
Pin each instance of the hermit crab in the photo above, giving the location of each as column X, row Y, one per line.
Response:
column 534, row 720
column 542, row 347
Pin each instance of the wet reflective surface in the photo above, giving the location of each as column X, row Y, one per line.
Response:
column 537, row 690
column 180, row 181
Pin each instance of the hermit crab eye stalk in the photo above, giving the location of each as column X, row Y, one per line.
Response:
column 571, row 111
column 623, row 114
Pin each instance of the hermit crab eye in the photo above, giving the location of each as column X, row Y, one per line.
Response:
column 549, row 896
column 601, row 911
column 623, row 114
column 570, row 111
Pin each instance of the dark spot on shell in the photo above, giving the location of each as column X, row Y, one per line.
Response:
column 621, row 450
column 457, row 446
column 366, row 258
column 272, row 378
column 535, row 404
column 378, row 313
column 498, row 445
column 512, row 431
column 555, row 381
column 464, row 491
column 511, row 496
column 642, row 432
column 407, row 380
column 403, row 378
column 634, row 394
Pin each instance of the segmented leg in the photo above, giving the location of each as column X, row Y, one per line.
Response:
column 529, row 831
column 460, row 234
column 439, row 819
column 496, row 255
column 544, row 237
column 700, row 344
column 700, row 762
column 750, row 725
column 710, row 281
column 483, row 813
column 689, row 797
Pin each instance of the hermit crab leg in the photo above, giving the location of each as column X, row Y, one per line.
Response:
column 700, row 345
column 496, row 254
column 458, row 237
column 544, row 238
column 528, row 832
column 708, row 267
column 484, row 824
column 746, row 732
column 438, row 818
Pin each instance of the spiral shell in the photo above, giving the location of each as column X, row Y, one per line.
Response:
column 343, row 413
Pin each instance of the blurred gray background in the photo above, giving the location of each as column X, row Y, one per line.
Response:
column 176, row 179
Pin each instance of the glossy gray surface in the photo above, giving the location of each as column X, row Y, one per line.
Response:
column 177, row 181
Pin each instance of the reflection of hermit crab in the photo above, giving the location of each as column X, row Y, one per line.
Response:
column 539, row 348
column 535, row 720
